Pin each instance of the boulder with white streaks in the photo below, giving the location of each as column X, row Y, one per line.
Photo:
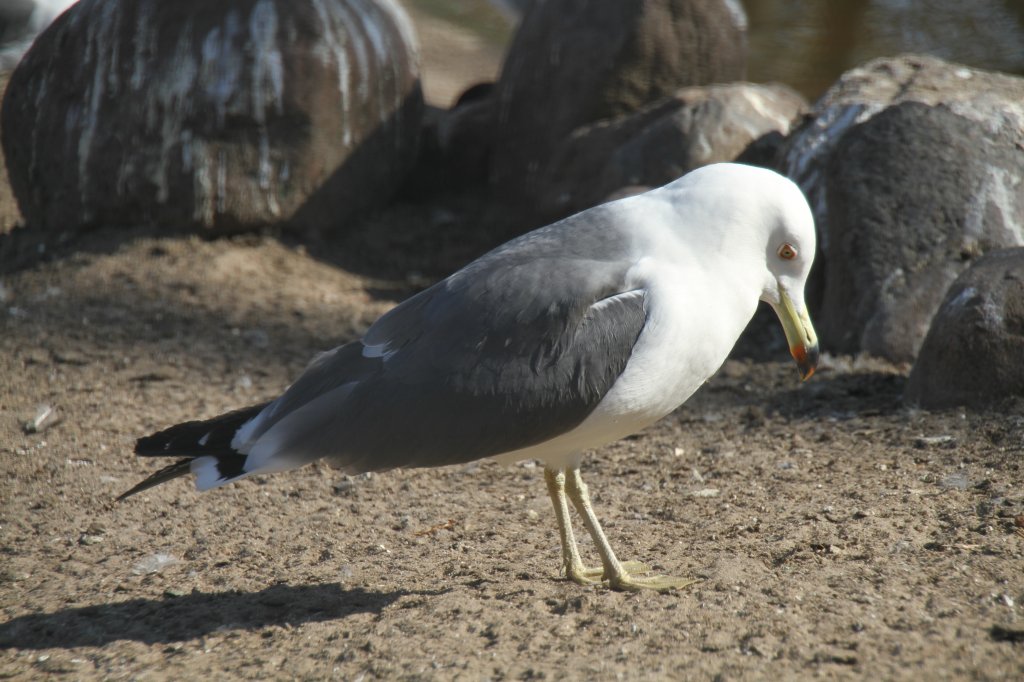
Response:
column 225, row 116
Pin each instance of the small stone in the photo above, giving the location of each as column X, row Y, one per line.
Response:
column 934, row 441
column 344, row 486
column 706, row 492
column 58, row 664
column 257, row 337
column 45, row 417
column 956, row 481
column 155, row 563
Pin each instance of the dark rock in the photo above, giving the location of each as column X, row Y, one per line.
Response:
column 913, row 167
column 456, row 145
column 691, row 128
column 577, row 62
column 905, row 218
column 225, row 116
column 974, row 351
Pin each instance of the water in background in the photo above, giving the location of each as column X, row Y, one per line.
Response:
column 809, row 43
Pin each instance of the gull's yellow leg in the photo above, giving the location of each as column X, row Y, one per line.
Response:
column 571, row 561
column 615, row 572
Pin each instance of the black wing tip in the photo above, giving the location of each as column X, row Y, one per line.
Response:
column 168, row 473
column 180, row 440
column 197, row 438
column 189, row 440
column 151, row 446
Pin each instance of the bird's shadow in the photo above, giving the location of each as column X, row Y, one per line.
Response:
column 175, row 619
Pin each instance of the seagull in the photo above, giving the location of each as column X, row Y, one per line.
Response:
column 555, row 343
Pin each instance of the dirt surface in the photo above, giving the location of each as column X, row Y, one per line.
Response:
column 836, row 533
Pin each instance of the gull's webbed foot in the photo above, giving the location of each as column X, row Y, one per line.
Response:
column 582, row 575
column 627, row 582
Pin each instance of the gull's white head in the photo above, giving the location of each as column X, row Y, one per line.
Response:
column 765, row 222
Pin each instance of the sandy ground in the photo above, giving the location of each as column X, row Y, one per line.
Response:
column 836, row 533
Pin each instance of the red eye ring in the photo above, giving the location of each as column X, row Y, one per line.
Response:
column 787, row 252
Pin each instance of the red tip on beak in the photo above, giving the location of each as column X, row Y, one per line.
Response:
column 806, row 359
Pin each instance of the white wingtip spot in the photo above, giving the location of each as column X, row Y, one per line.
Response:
column 379, row 350
column 204, row 440
column 243, row 437
column 207, row 475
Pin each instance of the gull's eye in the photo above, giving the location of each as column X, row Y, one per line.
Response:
column 787, row 252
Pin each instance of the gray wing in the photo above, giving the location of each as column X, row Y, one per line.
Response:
column 516, row 348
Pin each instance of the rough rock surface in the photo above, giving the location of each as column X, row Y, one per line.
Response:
column 692, row 127
column 913, row 167
column 213, row 115
column 974, row 352
column 575, row 63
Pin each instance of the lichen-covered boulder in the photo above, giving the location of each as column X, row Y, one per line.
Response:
column 222, row 115
column 574, row 63
column 692, row 127
column 974, row 351
column 913, row 167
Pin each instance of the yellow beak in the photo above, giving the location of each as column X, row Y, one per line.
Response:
column 803, row 342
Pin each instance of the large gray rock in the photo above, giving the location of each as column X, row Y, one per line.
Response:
column 576, row 62
column 974, row 352
column 692, row 127
column 227, row 116
column 913, row 166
